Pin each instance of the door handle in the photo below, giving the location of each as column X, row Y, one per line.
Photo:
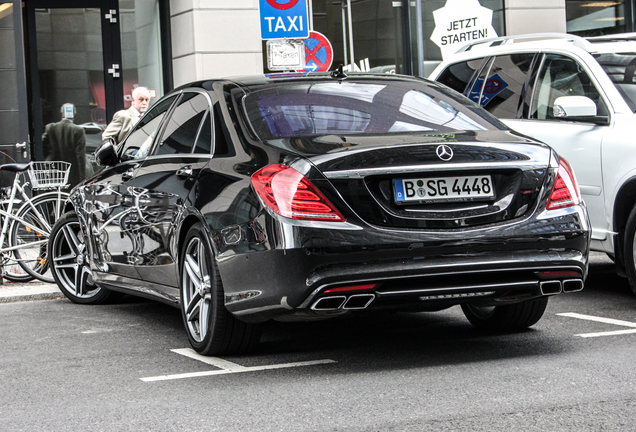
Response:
column 185, row 172
column 125, row 176
column 22, row 146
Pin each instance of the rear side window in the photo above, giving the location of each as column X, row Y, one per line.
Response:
column 204, row 140
column 184, row 124
column 562, row 76
column 501, row 90
column 140, row 139
column 457, row 76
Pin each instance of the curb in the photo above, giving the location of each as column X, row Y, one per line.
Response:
column 17, row 291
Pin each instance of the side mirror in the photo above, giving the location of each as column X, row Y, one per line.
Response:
column 578, row 108
column 106, row 153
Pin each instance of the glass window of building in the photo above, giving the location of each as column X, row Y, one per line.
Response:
column 12, row 123
column 378, row 35
column 141, row 47
column 597, row 18
column 426, row 54
column 365, row 34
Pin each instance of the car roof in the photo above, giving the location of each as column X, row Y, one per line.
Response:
column 625, row 42
column 253, row 81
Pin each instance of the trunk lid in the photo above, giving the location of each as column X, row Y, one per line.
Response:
column 430, row 180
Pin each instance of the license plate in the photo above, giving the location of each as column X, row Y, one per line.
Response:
column 463, row 188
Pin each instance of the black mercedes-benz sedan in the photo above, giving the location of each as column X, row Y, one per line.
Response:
column 306, row 196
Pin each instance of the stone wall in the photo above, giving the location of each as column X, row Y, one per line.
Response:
column 215, row 38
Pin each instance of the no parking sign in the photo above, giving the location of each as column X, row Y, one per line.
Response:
column 494, row 85
column 318, row 53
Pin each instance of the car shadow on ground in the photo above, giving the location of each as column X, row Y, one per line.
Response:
column 404, row 340
column 399, row 340
column 373, row 341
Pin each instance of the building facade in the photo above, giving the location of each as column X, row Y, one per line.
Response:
column 92, row 53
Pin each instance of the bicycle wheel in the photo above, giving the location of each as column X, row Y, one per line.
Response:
column 12, row 271
column 30, row 231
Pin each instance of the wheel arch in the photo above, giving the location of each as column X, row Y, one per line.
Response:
column 623, row 204
column 188, row 222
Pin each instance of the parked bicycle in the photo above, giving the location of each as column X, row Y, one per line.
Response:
column 39, row 200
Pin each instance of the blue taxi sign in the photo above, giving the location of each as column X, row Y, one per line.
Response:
column 284, row 19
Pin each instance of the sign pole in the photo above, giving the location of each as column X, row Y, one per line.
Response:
column 420, row 38
column 350, row 23
column 344, row 35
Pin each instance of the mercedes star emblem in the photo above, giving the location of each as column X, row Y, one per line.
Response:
column 444, row 152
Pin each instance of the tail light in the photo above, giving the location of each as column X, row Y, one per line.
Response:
column 288, row 193
column 565, row 192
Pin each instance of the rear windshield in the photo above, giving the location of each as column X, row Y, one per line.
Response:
column 620, row 67
column 362, row 107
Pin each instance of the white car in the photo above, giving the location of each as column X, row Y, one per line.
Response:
column 577, row 95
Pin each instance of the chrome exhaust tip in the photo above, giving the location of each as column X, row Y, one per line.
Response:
column 572, row 285
column 550, row 287
column 359, row 301
column 329, row 303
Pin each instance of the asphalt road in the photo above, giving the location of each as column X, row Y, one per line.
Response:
column 113, row 368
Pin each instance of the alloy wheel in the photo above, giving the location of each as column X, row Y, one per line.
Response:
column 197, row 289
column 70, row 262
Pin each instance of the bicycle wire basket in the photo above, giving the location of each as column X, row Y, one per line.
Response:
column 48, row 175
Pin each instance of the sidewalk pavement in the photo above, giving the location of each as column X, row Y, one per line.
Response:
column 24, row 291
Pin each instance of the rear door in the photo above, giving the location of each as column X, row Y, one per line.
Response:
column 110, row 199
column 520, row 89
column 578, row 142
column 163, row 184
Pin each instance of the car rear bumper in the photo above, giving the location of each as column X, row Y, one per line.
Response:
column 305, row 271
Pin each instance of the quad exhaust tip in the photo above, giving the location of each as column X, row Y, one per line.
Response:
column 359, row 301
column 354, row 302
column 550, row 287
column 572, row 285
column 557, row 287
column 329, row 303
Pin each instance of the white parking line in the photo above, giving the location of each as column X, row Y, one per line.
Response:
column 609, row 333
column 602, row 320
column 225, row 366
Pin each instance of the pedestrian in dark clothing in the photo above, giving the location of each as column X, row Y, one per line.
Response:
column 65, row 141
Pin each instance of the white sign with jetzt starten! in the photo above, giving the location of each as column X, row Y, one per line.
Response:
column 460, row 22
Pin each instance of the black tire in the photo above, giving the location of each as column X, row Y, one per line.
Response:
column 34, row 259
column 506, row 318
column 69, row 263
column 628, row 249
column 211, row 329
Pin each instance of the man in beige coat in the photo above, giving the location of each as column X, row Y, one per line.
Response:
column 124, row 120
